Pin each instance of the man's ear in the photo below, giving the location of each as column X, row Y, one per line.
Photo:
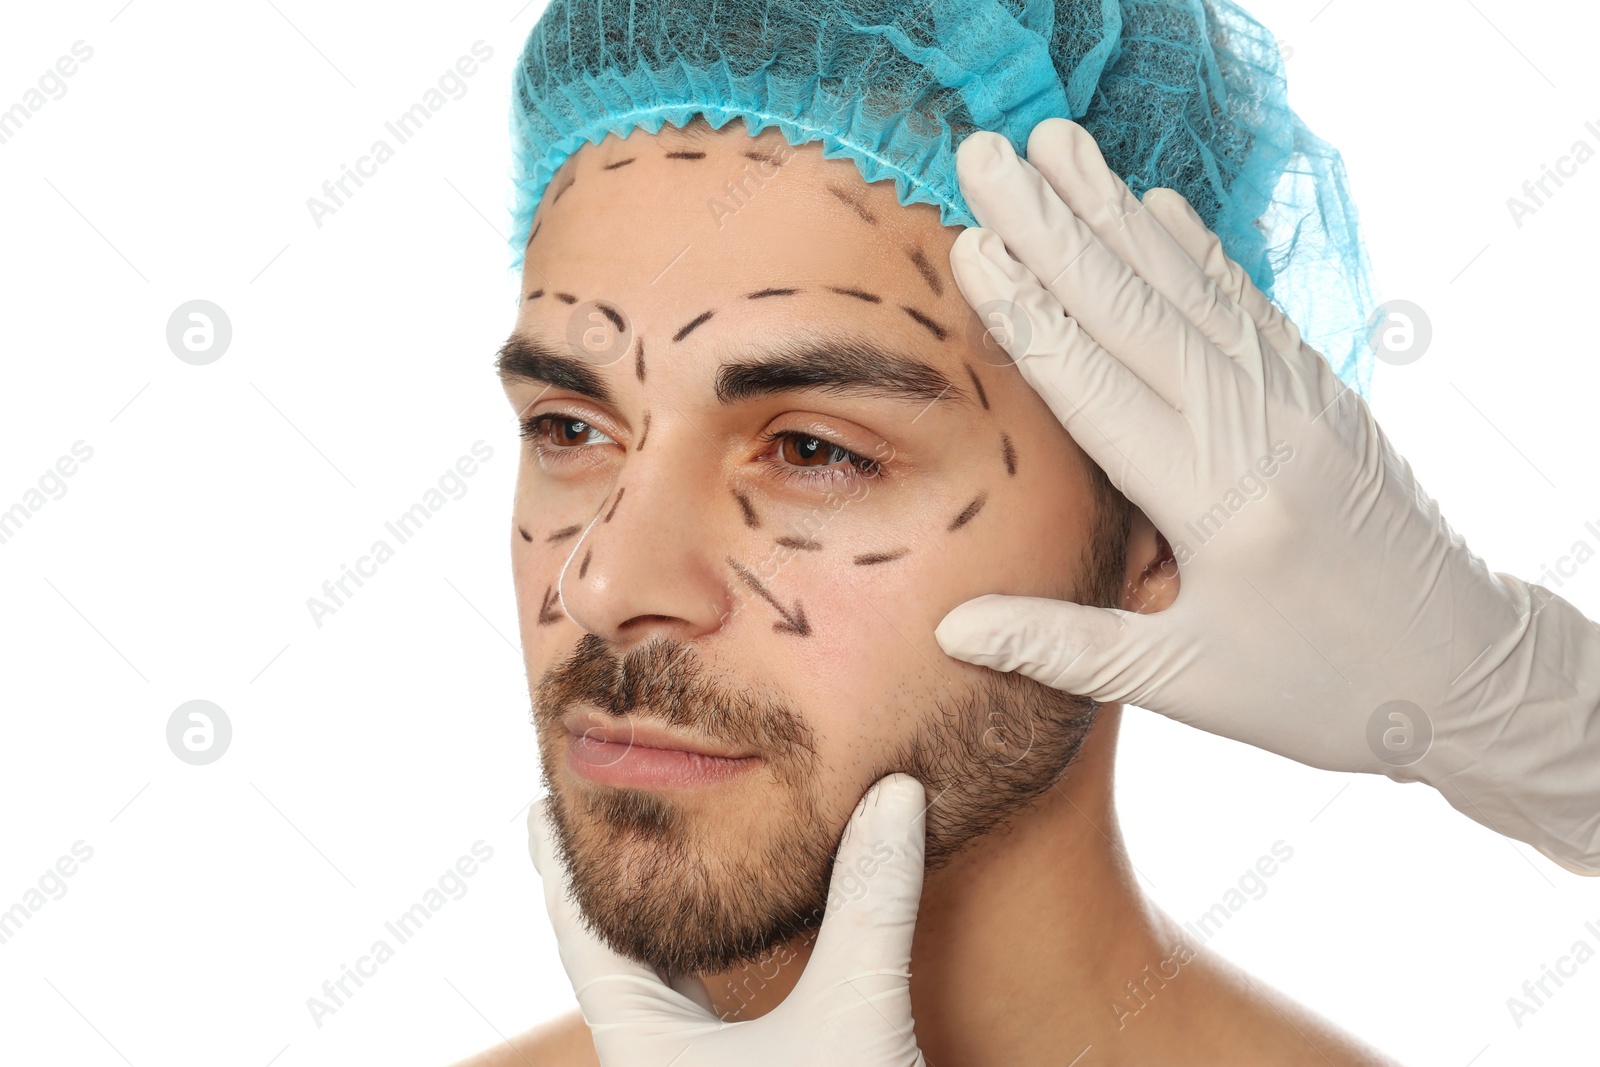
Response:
column 1150, row 580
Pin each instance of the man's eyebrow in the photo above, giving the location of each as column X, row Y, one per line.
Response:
column 528, row 358
column 850, row 366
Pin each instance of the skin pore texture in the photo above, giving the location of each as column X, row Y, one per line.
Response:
column 736, row 521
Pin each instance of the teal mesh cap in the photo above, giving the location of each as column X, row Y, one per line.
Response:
column 1187, row 94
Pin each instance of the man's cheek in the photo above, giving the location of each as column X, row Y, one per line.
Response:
column 863, row 684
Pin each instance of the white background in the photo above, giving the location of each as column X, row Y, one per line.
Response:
column 372, row 752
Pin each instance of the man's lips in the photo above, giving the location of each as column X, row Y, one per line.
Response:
column 597, row 726
column 628, row 753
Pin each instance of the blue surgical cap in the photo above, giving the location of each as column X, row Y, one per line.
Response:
column 1186, row 94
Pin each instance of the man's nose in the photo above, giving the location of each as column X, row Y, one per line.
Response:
column 652, row 559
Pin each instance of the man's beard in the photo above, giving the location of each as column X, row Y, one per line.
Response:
column 657, row 887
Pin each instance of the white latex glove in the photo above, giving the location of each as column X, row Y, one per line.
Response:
column 852, row 1004
column 1301, row 613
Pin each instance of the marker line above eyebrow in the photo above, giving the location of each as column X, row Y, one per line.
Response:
column 983, row 398
column 619, row 163
column 933, row 327
column 536, row 294
column 925, row 268
column 616, row 318
column 770, row 292
column 684, row 154
column 566, row 298
column 871, row 298
column 869, row 558
column 759, row 158
column 854, row 204
column 968, row 512
column 684, row 332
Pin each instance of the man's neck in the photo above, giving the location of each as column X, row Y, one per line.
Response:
column 1024, row 941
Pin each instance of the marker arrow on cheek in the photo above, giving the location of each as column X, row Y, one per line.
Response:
column 547, row 614
column 794, row 622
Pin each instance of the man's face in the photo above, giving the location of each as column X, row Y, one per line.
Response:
column 737, row 525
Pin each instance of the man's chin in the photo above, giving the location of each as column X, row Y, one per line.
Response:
column 691, row 891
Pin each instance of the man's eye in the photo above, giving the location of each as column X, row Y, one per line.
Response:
column 812, row 459
column 555, row 432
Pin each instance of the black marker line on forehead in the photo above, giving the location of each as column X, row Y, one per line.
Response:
column 566, row 298
column 968, row 512
column 1010, row 452
column 983, row 398
column 615, row 317
column 685, row 154
column 619, row 163
column 583, row 568
column 526, row 536
column 751, row 519
column 867, row 559
column 562, row 191
column 933, row 327
column 531, row 236
column 563, row 534
column 614, row 504
column 925, row 269
column 800, row 542
column 684, row 331
column 871, row 298
column 855, row 204
column 770, row 292
column 536, row 294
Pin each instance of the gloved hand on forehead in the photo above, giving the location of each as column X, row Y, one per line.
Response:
column 1326, row 611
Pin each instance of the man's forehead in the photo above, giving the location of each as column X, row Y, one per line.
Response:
column 725, row 209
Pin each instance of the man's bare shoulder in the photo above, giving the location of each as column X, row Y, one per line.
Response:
column 1251, row 1022
column 560, row 1042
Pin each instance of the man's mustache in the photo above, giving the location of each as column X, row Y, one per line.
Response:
column 664, row 680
